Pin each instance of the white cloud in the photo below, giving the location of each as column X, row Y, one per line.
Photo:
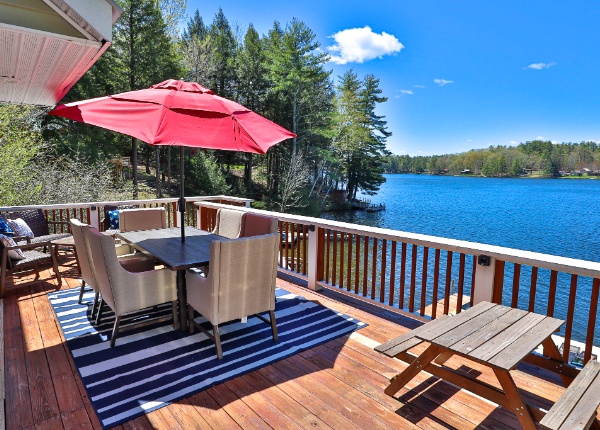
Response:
column 409, row 92
column 540, row 66
column 540, row 138
column 469, row 140
column 513, row 142
column 357, row 45
column 442, row 82
column 419, row 86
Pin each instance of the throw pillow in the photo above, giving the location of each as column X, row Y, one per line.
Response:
column 5, row 228
column 113, row 219
column 15, row 254
column 20, row 227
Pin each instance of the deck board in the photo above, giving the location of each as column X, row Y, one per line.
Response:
column 335, row 385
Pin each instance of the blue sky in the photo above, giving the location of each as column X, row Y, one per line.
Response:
column 459, row 74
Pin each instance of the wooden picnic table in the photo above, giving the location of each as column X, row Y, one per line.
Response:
column 495, row 336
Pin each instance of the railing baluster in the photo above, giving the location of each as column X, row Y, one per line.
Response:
column 342, row 259
column 327, row 257
column 304, row 249
column 392, row 274
column 532, row 289
column 474, row 270
column 436, row 281
column 374, row 268
column 515, row 289
column 589, row 339
column 365, row 266
column 402, row 277
column 552, row 293
column 281, row 245
column 461, row 283
column 335, row 259
column 357, row 262
column 413, row 279
column 383, row 263
column 424, row 279
column 349, row 270
column 498, row 281
column 570, row 313
column 448, row 281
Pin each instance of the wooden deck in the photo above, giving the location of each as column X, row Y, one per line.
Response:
column 337, row 385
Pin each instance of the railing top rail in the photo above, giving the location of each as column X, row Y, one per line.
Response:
column 122, row 203
column 528, row 258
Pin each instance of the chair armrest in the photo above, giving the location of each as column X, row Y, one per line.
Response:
column 27, row 246
column 25, row 238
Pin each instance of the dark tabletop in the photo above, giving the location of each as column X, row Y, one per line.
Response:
column 166, row 246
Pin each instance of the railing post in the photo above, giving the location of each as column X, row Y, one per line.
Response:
column 315, row 247
column 484, row 280
column 94, row 217
column 248, row 204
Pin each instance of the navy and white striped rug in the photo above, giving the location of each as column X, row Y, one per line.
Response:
column 154, row 365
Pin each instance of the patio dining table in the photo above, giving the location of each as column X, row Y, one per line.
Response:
column 165, row 246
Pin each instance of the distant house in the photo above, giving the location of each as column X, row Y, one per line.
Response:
column 465, row 172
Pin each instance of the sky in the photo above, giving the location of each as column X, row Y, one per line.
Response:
column 459, row 75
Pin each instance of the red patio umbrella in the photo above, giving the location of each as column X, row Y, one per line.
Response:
column 179, row 113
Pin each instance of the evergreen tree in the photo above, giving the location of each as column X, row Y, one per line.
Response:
column 361, row 134
column 225, row 47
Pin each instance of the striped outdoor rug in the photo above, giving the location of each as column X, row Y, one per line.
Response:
column 154, row 365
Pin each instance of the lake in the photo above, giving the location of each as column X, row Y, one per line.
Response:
column 551, row 216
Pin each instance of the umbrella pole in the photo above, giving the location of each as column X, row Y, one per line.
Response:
column 181, row 194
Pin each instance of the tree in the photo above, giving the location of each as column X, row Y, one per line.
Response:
column 225, row 47
column 360, row 133
column 295, row 67
column 252, row 83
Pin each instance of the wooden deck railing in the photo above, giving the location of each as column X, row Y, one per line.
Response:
column 425, row 275
column 429, row 276
column 93, row 213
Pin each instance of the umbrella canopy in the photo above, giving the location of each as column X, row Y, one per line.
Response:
column 179, row 113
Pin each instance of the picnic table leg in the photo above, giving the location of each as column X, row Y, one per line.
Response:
column 551, row 350
column 402, row 378
column 514, row 399
column 443, row 357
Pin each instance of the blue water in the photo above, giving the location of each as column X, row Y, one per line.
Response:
column 559, row 217
column 552, row 216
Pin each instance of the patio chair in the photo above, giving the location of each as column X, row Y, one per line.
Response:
column 241, row 282
column 39, row 225
column 33, row 259
column 125, row 291
column 131, row 263
column 142, row 219
column 256, row 225
column 229, row 224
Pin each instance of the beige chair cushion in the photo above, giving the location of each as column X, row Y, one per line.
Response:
column 229, row 223
column 257, row 225
column 142, row 219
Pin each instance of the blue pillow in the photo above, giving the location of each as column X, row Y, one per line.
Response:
column 113, row 219
column 5, row 228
